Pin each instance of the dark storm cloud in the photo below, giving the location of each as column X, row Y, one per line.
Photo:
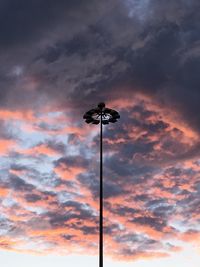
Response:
column 111, row 189
column 124, row 211
column 190, row 206
column 5, row 224
column 56, row 219
column 72, row 161
column 77, row 217
column 155, row 51
column 138, row 245
column 125, row 172
column 156, row 223
column 32, row 198
column 163, row 67
column 150, row 136
column 89, row 230
column 93, row 38
column 120, row 166
column 91, row 181
column 31, row 27
column 19, row 184
column 44, row 126
column 140, row 241
column 150, row 64
column 56, row 146
column 163, row 211
column 21, row 20
column 18, row 167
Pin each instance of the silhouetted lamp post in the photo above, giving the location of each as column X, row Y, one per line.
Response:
column 101, row 115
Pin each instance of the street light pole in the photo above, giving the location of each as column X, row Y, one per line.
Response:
column 101, row 197
column 101, row 115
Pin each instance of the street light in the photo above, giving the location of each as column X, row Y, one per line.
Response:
column 101, row 115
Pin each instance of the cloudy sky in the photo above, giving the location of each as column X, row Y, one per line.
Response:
column 60, row 59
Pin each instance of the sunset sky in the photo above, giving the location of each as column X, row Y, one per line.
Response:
column 58, row 60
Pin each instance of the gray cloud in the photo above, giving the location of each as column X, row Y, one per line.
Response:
column 19, row 184
column 153, row 53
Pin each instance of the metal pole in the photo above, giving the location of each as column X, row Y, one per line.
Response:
column 101, row 198
column 92, row 116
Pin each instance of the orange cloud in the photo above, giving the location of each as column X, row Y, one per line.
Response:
column 6, row 145
column 28, row 115
column 68, row 172
column 39, row 149
column 3, row 192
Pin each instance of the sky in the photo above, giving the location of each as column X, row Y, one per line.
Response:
column 58, row 60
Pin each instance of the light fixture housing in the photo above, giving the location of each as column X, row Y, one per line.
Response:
column 94, row 115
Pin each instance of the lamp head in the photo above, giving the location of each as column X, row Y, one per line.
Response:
column 101, row 105
column 107, row 115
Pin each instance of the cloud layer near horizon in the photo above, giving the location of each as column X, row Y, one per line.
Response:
column 61, row 59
